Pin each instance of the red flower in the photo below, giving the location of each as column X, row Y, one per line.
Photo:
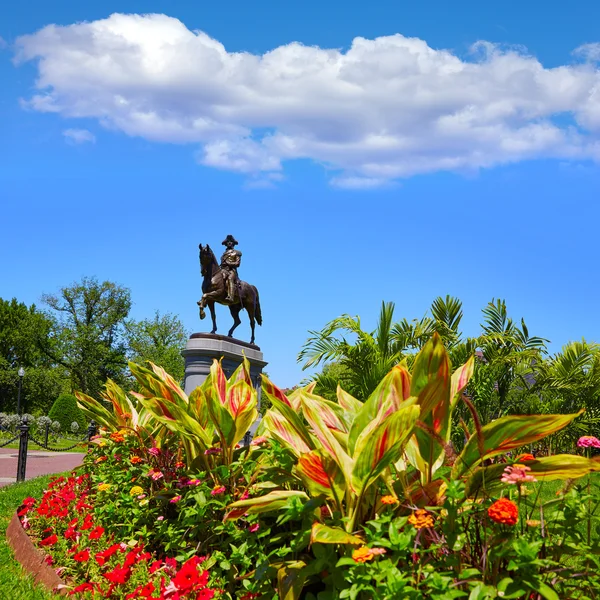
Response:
column 84, row 587
column 142, row 591
column 130, row 559
column 118, row 574
column 82, row 556
column 155, row 566
column 504, row 511
column 96, row 533
column 49, row 541
column 70, row 533
column 206, row 594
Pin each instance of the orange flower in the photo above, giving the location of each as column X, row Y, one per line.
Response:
column 100, row 459
column 504, row 511
column 136, row 460
column 364, row 554
column 421, row 519
column 389, row 500
column 525, row 456
column 117, row 437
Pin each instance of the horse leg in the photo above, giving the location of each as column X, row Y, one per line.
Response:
column 201, row 303
column 234, row 309
column 213, row 315
column 250, row 308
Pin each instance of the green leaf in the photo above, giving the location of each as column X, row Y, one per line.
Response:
column 323, row 534
column 431, row 363
column 290, row 580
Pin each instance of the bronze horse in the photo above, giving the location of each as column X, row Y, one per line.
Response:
column 215, row 290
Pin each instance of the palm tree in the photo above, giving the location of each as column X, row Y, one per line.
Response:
column 364, row 360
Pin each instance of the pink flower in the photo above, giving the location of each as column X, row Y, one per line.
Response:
column 218, row 489
column 175, row 499
column 261, row 439
column 161, row 518
column 588, row 441
column 517, row 475
column 155, row 474
column 254, row 528
column 245, row 495
column 212, row 451
column 194, row 482
column 154, row 451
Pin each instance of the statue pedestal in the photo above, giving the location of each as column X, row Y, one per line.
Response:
column 202, row 348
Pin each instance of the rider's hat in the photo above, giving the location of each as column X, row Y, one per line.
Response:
column 231, row 239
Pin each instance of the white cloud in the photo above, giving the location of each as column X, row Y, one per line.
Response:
column 384, row 109
column 3, row 43
column 79, row 136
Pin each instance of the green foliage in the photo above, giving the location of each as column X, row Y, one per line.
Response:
column 23, row 338
column 88, row 323
column 65, row 411
column 343, row 498
column 158, row 340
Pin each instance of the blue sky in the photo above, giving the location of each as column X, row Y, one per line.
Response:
column 392, row 168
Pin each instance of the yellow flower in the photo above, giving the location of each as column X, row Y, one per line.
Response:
column 136, row 490
column 389, row 500
column 533, row 523
column 144, row 502
column 421, row 519
column 104, row 487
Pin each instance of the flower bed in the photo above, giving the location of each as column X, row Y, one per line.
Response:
column 64, row 525
column 360, row 500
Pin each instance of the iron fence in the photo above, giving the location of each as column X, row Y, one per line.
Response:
column 25, row 435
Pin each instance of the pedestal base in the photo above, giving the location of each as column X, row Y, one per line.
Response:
column 202, row 348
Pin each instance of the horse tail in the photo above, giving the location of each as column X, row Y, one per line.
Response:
column 257, row 312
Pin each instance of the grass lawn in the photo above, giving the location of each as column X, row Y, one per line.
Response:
column 14, row 583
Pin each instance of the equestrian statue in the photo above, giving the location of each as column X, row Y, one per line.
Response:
column 221, row 284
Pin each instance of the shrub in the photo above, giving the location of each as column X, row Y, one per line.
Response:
column 65, row 411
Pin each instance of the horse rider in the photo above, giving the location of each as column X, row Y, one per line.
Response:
column 230, row 261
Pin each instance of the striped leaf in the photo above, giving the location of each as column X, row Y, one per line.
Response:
column 391, row 392
column 507, row 433
column 384, row 446
column 547, row 468
column 282, row 430
column 321, row 475
column 271, row 501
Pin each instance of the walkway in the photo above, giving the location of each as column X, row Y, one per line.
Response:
column 38, row 463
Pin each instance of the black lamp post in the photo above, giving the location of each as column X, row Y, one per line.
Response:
column 21, row 375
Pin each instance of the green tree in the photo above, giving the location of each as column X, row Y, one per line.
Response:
column 65, row 411
column 23, row 334
column 88, row 325
column 24, row 337
column 160, row 340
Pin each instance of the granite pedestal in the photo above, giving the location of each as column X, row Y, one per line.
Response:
column 202, row 348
